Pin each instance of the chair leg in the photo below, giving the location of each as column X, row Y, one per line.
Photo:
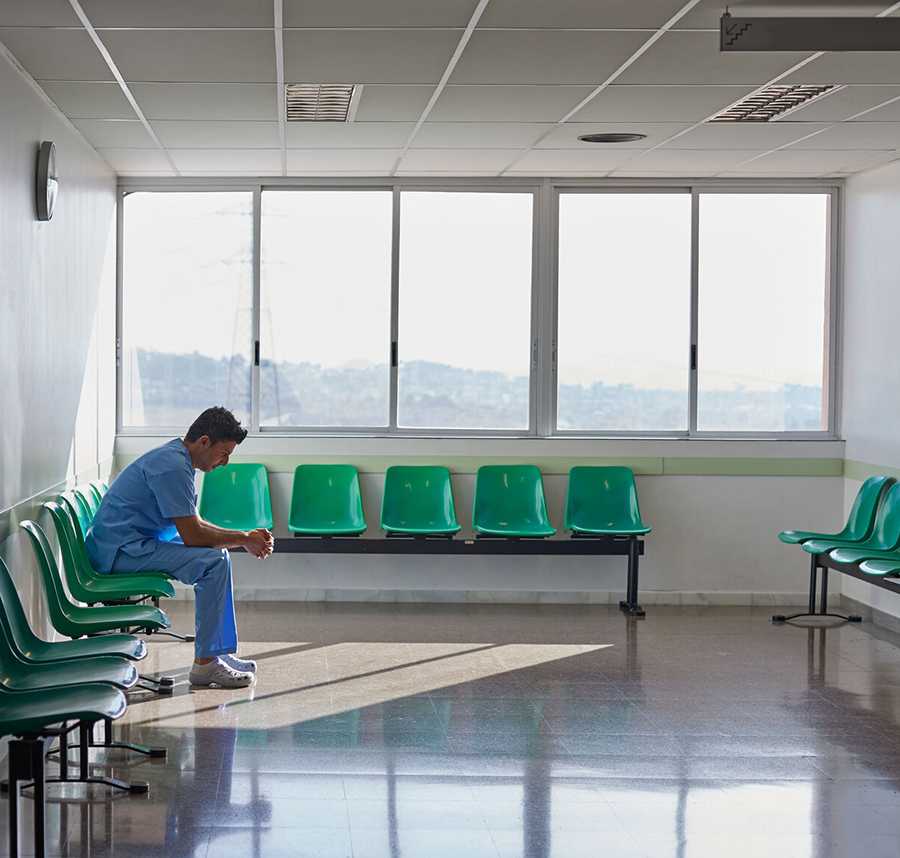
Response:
column 40, row 799
column 630, row 605
column 109, row 744
column 823, row 602
column 179, row 637
column 16, row 750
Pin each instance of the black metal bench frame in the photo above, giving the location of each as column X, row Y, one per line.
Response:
column 631, row 547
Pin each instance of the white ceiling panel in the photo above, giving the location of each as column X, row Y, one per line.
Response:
column 88, row 100
column 856, row 135
column 659, row 103
column 544, row 56
column 840, row 104
column 744, row 135
column 852, row 67
column 392, row 103
column 689, row 162
column 56, row 54
column 376, row 162
column 124, row 161
column 506, row 103
column 384, row 13
column 220, row 56
column 244, row 160
column 115, row 133
column 810, row 162
column 352, row 135
column 694, row 58
column 178, row 13
column 453, row 160
column 588, row 162
column 225, row 101
column 216, row 135
column 890, row 112
column 566, row 136
column 367, row 56
column 478, row 135
column 47, row 13
column 579, row 14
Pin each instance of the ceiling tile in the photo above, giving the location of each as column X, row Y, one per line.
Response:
column 544, row 56
column 220, row 56
column 455, row 160
column 384, row 13
column 856, row 135
column 811, row 162
column 247, row 160
column 115, row 133
column 352, row 135
column 216, row 135
column 850, row 67
column 588, row 162
column 889, row 112
column 708, row 13
column 743, row 135
column 206, row 100
column 144, row 160
column 694, row 58
column 478, row 135
column 566, row 136
column 506, row 103
column 88, row 100
column 47, row 13
column 392, row 103
column 659, row 103
column 367, row 56
column 688, row 162
column 843, row 103
column 177, row 13
column 56, row 54
column 373, row 161
column 446, row 173
column 579, row 14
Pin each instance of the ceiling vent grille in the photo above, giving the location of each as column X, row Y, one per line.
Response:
column 321, row 102
column 774, row 102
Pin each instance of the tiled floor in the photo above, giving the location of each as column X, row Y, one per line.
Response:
column 382, row 731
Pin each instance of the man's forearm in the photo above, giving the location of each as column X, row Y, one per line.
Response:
column 209, row 536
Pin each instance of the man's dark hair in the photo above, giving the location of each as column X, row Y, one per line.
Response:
column 219, row 424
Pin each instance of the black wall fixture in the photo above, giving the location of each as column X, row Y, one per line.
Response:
column 809, row 34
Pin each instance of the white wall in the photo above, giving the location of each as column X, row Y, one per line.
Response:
column 871, row 333
column 57, row 317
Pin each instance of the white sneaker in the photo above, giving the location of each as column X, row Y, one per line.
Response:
column 218, row 673
column 244, row 665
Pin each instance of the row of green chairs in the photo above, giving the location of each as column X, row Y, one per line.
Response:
column 418, row 501
column 870, row 539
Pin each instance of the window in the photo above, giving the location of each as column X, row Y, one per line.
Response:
column 763, row 278
column 325, row 308
column 187, row 306
column 624, row 311
column 465, row 310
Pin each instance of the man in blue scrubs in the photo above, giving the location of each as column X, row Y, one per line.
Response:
column 148, row 521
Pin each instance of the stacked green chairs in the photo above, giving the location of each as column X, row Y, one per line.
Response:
column 326, row 501
column 89, row 500
column 236, row 497
column 34, row 718
column 78, row 508
column 418, row 501
column 859, row 523
column 509, row 502
column 603, row 501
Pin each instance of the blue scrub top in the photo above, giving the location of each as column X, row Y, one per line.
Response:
column 138, row 509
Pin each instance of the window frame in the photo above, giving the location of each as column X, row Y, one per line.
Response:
column 543, row 375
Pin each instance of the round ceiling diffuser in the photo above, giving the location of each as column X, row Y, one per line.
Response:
column 617, row 137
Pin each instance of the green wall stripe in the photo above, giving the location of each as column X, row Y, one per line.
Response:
column 856, row 470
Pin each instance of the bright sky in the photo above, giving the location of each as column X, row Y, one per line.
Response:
column 465, row 280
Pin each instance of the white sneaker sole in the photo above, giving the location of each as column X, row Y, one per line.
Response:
column 241, row 681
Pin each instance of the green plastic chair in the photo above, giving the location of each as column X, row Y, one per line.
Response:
column 880, row 568
column 860, row 521
column 31, row 712
column 326, row 501
column 418, row 501
column 79, row 511
column 75, row 621
column 87, row 585
column 603, row 501
column 30, row 648
column 89, row 499
column 99, row 487
column 96, row 495
column 884, row 537
column 236, row 497
column 509, row 501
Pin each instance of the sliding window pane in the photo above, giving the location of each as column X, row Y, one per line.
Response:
column 186, row 306
column 465, row 310
column 325, row 308
column 624, row 311
column 763, row 287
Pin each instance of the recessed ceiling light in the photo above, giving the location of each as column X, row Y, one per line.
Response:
column 774, row 102
column 321, row 102
column 617, row 137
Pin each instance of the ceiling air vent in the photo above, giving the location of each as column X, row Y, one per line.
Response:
column 321, row 102
column 774, row 102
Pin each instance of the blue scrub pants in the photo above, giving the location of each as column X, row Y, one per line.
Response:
column 208, row 570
